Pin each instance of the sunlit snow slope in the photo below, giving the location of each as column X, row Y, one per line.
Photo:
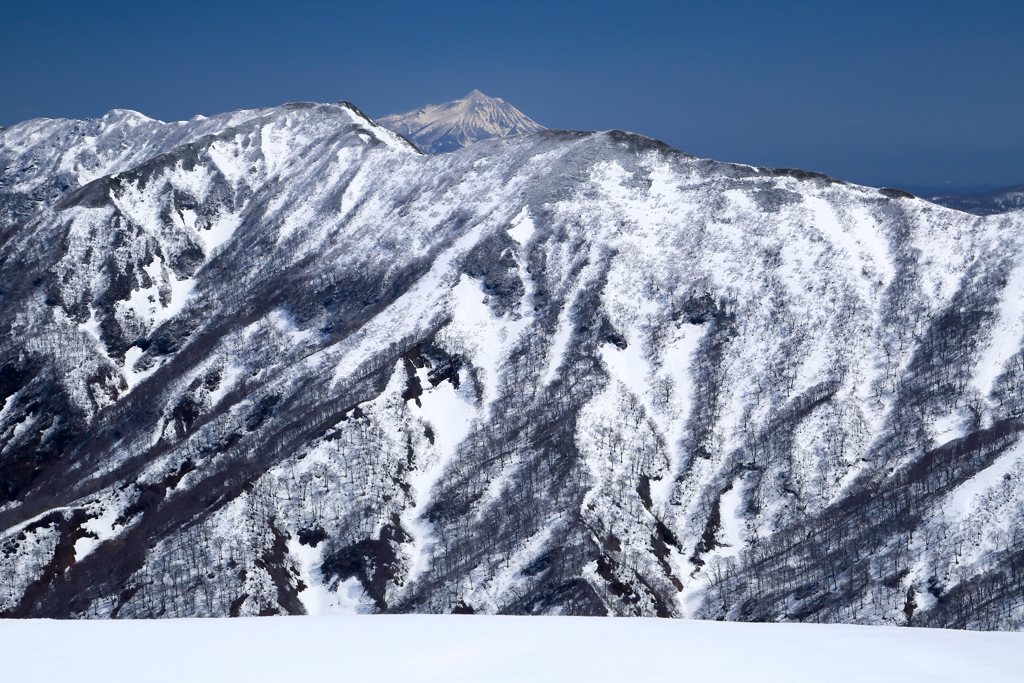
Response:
column 453, row 125
column 285, row 363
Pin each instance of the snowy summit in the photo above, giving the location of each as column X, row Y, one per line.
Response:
column 438, row 128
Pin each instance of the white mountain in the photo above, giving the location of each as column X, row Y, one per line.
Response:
column 983, row 203
column 286, row 363
column 438, row 128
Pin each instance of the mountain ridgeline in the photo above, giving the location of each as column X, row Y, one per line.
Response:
column 280, row 362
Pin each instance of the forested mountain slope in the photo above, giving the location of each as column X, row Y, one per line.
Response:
column 279, row 361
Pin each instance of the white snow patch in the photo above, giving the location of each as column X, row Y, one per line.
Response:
column 229, row 376
column 450, row 418
column 227, row 157
column 558, row 344
column 92, row 326
column 219, row 232
column 627, row 365
column 732, row 530
column 8, row 402
column 130, row 375
column 522, row 227
column 961, row 501
column 181, row 290
column 284, row 322
column 488, row 336
column 356, row 189
column 948, row 428
column 677, row 361
column 316, row 597
column 102, row 527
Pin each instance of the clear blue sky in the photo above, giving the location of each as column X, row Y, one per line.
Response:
column 897, row 93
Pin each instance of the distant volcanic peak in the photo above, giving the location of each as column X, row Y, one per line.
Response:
column 460, row 123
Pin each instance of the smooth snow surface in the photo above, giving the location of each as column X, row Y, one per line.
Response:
column 480, row 648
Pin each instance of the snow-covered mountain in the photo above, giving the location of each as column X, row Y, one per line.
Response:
column 44, row 158
column 983, row 203
column 438, row 128
column 285, row 363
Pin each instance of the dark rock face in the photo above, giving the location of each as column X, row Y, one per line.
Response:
column 280, row 362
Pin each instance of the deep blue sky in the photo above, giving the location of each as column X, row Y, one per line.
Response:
column 919, row 94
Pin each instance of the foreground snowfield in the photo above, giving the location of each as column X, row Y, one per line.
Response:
column 497, row 648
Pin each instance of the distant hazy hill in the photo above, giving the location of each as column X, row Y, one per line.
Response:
column 983, row 203
column 438, row 128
